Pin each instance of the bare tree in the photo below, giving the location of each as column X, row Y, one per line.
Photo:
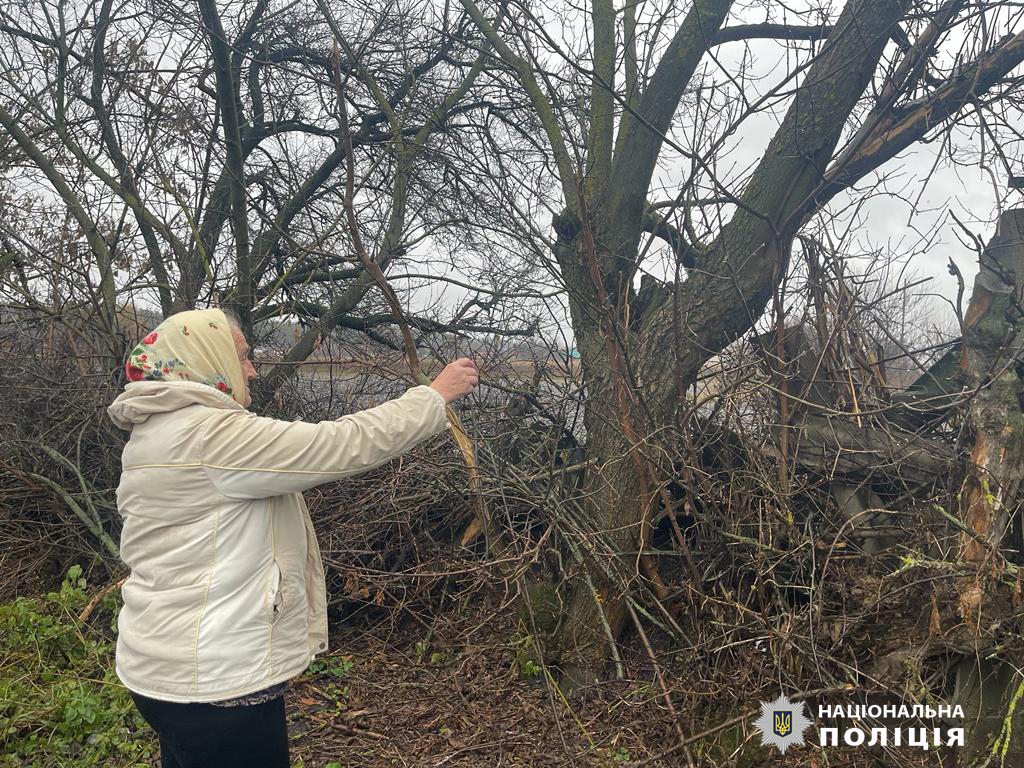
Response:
column 199, row 149
column 647, row 82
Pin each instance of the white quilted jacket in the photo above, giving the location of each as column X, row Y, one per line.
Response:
column 226, row 594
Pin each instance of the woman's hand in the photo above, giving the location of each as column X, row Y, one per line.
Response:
column 457, row 379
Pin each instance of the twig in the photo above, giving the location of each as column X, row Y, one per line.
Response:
column 91, row 606
column 666, row 694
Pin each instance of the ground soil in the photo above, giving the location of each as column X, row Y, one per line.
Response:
column 453, row 694
column 460, row 700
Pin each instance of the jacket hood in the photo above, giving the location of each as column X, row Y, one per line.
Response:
column 141, row 399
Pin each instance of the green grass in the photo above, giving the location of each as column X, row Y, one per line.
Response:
column 60, row 701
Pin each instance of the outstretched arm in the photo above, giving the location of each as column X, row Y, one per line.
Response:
column 249, row 456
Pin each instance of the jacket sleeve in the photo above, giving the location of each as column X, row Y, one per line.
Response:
column 252, row 457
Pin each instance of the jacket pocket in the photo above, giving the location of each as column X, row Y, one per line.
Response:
column 275, row 594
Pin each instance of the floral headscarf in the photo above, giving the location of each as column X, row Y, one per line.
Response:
column 190, row 346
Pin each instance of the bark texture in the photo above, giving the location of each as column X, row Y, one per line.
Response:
column 991, row 691
column 993, row 342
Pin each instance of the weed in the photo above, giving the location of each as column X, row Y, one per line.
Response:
column 529, row 669
column 338, row 696
column 60, row 701
column 526, row 657
column 421, row 648
column 334, row 666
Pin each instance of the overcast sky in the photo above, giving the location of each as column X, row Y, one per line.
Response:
column 914, row 219
column 912, row 222
column 917, row 221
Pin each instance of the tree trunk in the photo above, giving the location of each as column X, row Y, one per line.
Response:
column 991, row 691
column 611, row 507
column 990, row 363
column 712, row 307
column 991, row 695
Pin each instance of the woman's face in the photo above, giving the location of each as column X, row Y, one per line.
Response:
column 248, row 371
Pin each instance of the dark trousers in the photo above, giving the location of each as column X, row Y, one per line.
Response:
column 206, row 736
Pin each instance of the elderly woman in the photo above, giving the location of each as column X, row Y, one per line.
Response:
column 226, row 598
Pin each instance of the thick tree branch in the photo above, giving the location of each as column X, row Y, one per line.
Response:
column 228, row 102
column 308, row 276
column 602, row 95
column 124, row 169
column 682, row 248
column 770, row 31
column 750, row 253
column 541, row 103
column 97, row 244
column 912, row 122
column 640, row 136
column 271, row 236
column 363, row 323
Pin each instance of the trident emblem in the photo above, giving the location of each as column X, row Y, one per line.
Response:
column 782, row 723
